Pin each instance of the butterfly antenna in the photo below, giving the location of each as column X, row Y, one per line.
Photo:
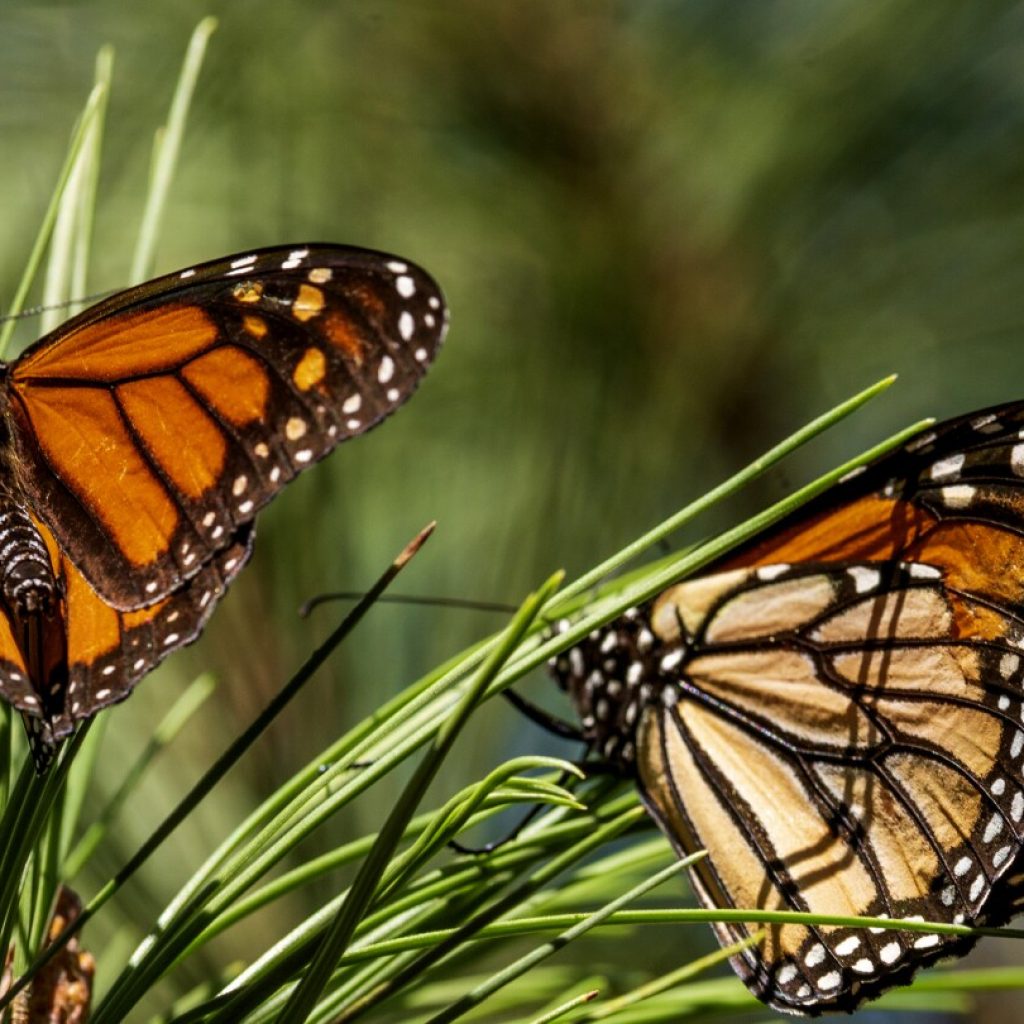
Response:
column 479, row 851
column 32, row 311
column 408, row 599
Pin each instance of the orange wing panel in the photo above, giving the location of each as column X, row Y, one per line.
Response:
column 163, row 412
column 869, row 529
column 83, row 437
column 94, row 628
column 127, row 345
column 234, row 383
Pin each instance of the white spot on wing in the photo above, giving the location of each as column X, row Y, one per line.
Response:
column 890, row 952
column 864, row 579
column 815, row 955
column 993, row 828
column 671, row 660
column 770, row 572
column 405, row 286
column 386, row 370
column 406, row 325
column 958, row 495
column 976, row 887
column 947, row 469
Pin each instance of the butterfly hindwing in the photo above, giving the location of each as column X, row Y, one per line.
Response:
column 94, row 653
column 154, row 425
column 839, row 750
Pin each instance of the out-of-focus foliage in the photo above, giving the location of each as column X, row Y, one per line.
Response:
column 669, row 232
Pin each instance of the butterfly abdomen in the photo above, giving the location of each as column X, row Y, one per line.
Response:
column 27, row 582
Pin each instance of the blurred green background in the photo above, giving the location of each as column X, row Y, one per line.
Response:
column 669, row 234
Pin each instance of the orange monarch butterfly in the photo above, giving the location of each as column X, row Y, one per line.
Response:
column 835, row 713
column 139, row 440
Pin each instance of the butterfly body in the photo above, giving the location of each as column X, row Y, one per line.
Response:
column 836, row 714
column 140, row 439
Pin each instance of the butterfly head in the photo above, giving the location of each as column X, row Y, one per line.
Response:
column 613, row 676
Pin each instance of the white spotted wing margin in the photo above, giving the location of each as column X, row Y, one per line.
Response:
column 127, row 646
column 840, row 745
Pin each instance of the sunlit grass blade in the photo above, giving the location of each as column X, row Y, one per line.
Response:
column 338, row 936
column 165, row 154
column 179, row 714
column 477, row 995
column 25, row 816
column 737, row 481
column 647, row 584
column 562, row 1012
column 69, row 244
column 79, row 137
column 596, row 838
column 450, row 819
column 671, row 980
column 213, row 775
column 651, row 584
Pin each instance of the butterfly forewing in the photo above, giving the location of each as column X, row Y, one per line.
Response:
column 835, row 714
column 142, row 437
column 154, row 425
